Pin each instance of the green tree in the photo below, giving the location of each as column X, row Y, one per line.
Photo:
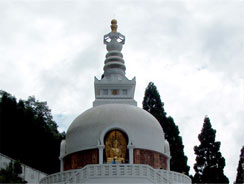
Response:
column 28, row 133
column 209, row 166
column 11, row 173
column 240, row 169
column 153, row 104
column 42, row 112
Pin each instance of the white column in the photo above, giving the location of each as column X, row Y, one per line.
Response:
column 100, row 153
column 62, row 154
column 168, row 163
column 131, row 156
column 61, row 164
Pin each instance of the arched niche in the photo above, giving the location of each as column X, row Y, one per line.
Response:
column 115, row 142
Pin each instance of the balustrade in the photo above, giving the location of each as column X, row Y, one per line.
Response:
column 117, row 170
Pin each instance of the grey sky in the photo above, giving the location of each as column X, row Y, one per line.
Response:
column 191, row 50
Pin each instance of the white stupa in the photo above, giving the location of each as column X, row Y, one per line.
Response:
column 115, row 141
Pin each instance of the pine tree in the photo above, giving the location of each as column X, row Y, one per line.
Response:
column 240, row 169
column 209, row 166
column 153, row 104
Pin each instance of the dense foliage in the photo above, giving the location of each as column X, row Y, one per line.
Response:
column 240, row 169
column 153, row 104
column 28, row 133
column 11, row 173
column 209, row 166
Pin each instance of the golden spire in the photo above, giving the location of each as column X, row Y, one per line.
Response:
column 114, row 25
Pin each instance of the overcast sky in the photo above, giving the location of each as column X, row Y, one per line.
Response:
column 192, row 50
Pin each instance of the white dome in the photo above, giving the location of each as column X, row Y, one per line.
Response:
column 89, row 128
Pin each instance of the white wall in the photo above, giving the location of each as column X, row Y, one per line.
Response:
column 29, row 174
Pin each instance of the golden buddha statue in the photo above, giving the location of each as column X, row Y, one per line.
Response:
column 115, row 151
column 115, row 147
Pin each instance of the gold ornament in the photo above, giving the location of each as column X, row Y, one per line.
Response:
column 114, row 25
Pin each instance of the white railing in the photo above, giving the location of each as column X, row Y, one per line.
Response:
column 174, row 177
column 59, row 177
column 117, row 170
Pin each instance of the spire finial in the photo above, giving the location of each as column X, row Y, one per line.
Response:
column 114, row 25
